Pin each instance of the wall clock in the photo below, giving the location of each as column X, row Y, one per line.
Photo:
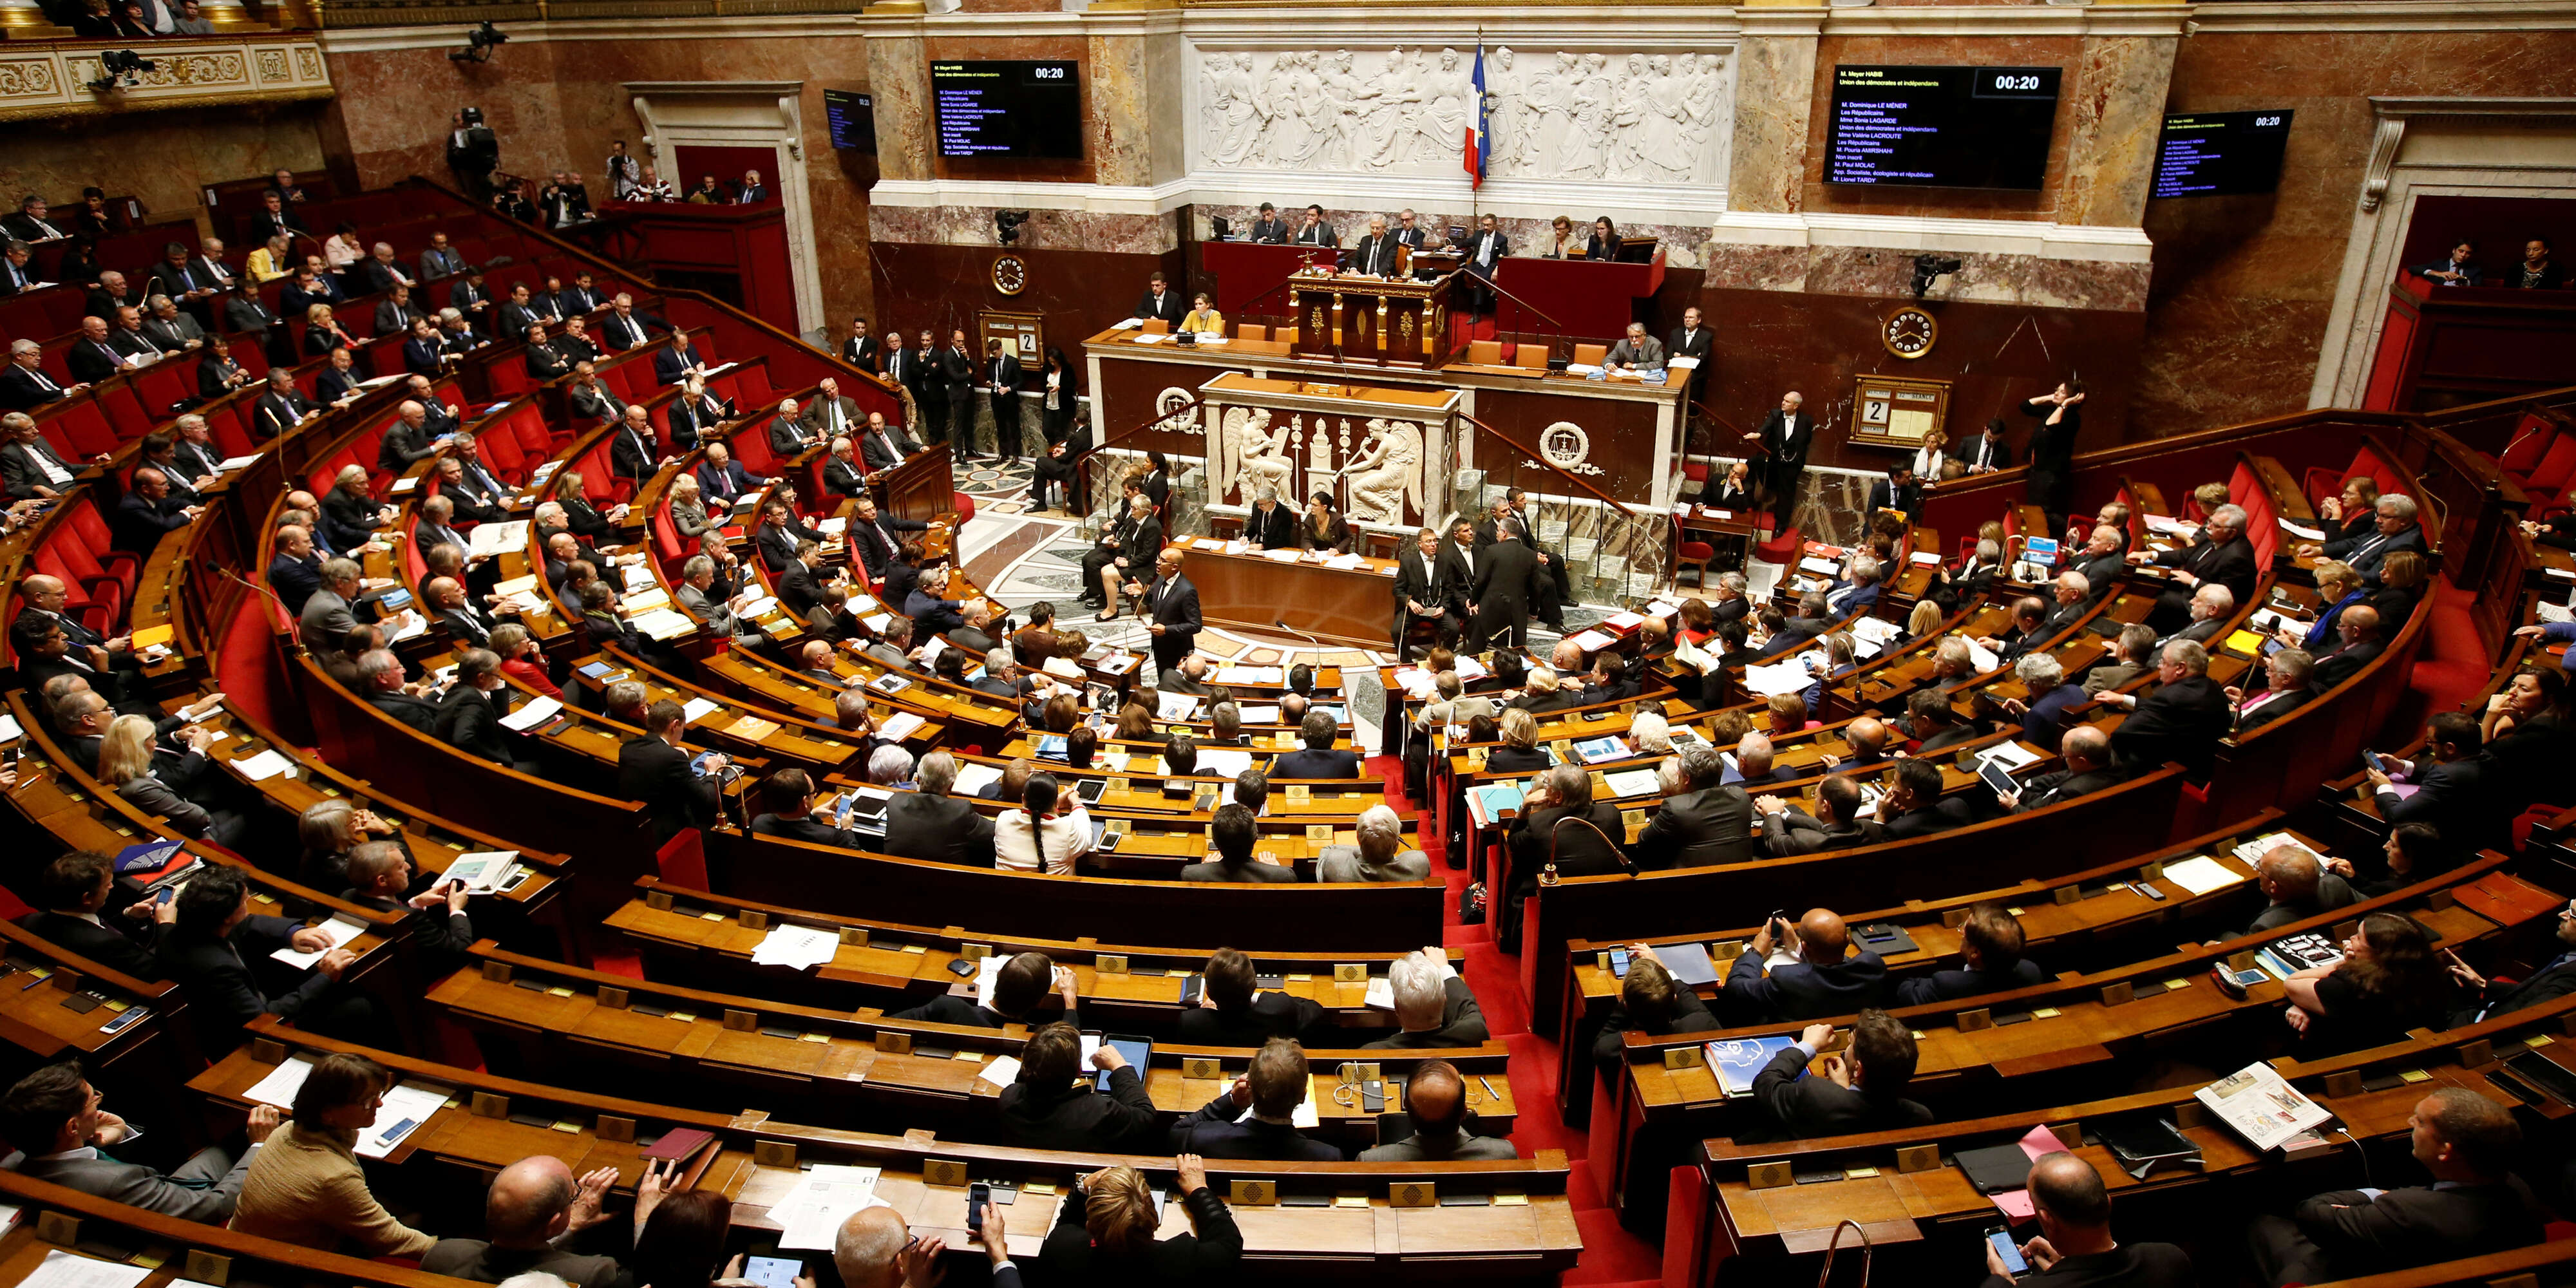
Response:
column 1010, row 274
column 1909, row 332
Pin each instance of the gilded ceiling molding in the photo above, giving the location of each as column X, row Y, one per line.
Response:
column 40, row 81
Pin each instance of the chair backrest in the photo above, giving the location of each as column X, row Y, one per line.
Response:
column 1590, row 355
column 1283, row 335
column 1157, row 326
column 1251, row 331
column 1487, row 353
column 1527, row 354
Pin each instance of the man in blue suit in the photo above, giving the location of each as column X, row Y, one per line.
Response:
column 1855, row 594
column 1318, row 759
column 720, row 477
column 1253, row 1118
column 675, row 363
column 1827, row 979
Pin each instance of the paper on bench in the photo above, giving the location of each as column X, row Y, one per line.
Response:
column 900, row 725
column 796, row 947
column 539, row 710
column 62, row 1269
column 2201, row 874
column 281, row 1084
column 340, row 929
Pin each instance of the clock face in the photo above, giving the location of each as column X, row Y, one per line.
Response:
column 1010, row 274
column 1909, row 332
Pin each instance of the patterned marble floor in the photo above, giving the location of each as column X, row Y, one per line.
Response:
column 1020, row 557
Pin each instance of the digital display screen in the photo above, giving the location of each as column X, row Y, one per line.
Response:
column 853, row 120
column 1941, row 127
column 1008, row 109
column 2214, row 154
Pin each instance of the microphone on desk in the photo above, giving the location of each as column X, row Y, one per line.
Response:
column 1282, row 624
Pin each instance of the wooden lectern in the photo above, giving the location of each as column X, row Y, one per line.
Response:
column 1397, row 322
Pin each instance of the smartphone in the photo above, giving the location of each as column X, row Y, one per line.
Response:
column 1191, row 988
column 1373, row 1096
column 167, row 894
column 399, row 1130
column 977, row 1195
column 2375, row 761
column 772, row 1272
column 128, row 1016
column 2001, row 1240
column 1619, row 962
column 961, row 968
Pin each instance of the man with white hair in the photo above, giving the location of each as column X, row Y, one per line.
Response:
column 1858, row 592
column 1379, row 856
column 1432, row 1005
column 2182, row 720
column 2221, row 555
column 874, row 1248
column 2044, row 713
column 2396, row 528
column 932, row 825
column 2211, row 606
column 889, row 766
column 2073, row 592
column 24, row 384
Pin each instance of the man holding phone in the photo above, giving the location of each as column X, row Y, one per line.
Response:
column 2074, row 1248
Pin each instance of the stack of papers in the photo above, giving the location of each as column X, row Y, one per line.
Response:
column 899, row 726
column 1223, row 762
column 1175, row 706
column 1345, row 562
column 1633, row 782
column 481, row 872
column 340, row 929
column 2201, row 874
column 2252, row 851
column 62, row 1269
column 1820, row 567
column 1593, row 641
column 1735, row 1062
column 796, row 947
column 972, row 779
column 663, row 623
column 697, row 709
column 1784, row 677
column 2011, row 755
column 269, row 763
column 2263, row 1108
column 493, row 538
column 539, row 710
column 1981, row 657
column 826, row 1195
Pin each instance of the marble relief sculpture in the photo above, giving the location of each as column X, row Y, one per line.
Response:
column 1386, row 480
column 1630, row 116
column 1250, row 456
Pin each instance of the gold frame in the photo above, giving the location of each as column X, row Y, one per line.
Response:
column 1898, row 411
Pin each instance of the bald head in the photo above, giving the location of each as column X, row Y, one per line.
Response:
column 41, row 584
column 1823, row 936
column 868, row 1251
column 1437, row 1098
column 530, row 1202
column 2290, row 874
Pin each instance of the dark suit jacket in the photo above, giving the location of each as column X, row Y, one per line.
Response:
column 2054, row 789
column 1193, row 1259
column 1462, row 1024
column 2131, row 1265
column 469, row 720
column 20, row 391
column 1278, row 531
column 116, row 943
column 138, row 524
column 2277, row 706
column 419, row 713
column 1212, row 1132
column 2230, row 565
column 1248, row 872
column 1799, row 991
column 2343, row 662
column 1689, row 1015
column 2552, row 981
column 2181, row 721
column 1787, row 441
column 669, row 365
column 1579, row 853
column 657, row 773
column 714, row 483
column 804, row 829
column 1309, row 762
column 217, row 977
column 1695, row 829
column 24, row 475
column 1944, row 985
column 942, row 829
column 1171, row 308
column 2367, row 551
column 1272, row 1014
column 1806, row 1106
column 2418, row 1226
column 1885, row 495
column 1373, row 254
column 1077, row 1117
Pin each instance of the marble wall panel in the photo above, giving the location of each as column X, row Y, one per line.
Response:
column 899, row 78
column 1987, row 279
column 1119, row 135
column 1774, row 93
column 2243, row 285
column 2115, row 117
column 972, row 226
column 1078, row 293
column 147, row 156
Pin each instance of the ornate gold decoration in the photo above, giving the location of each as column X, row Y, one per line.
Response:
column 272, row 65
column 1909, row 332
column 1404, row 327
column 26, row 78
column 309, row 62
column 1315, row 324
column 227, row 69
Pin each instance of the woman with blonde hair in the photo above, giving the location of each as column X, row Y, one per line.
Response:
column 2401, row 584
column 1104, row 1234
column 1518, row 730
column 688, row 510
column 1925, row 619
column 126, row 766
column 580, row 515
column 1929, row 458
column 2338, row 588
column 321, row 334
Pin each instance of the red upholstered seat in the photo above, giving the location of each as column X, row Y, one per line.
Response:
column 1780, row 549
column 2555, row 468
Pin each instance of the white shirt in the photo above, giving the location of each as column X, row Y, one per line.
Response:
column 1015, row 845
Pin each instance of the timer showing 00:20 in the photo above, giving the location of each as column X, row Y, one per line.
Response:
column 2016, row 82
column 1046, row 73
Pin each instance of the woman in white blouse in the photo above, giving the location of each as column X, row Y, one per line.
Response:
column 1047, row 833
column 1928, row 458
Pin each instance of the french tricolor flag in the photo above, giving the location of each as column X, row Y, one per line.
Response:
column 1479, row 139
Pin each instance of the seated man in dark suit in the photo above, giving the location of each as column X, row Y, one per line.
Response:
column 2358, row 640
column 2222, row 555
column 1233, row 1012
column 2075, row 1248
column 2045, row 714
column 2182, row 720
column 931, row 824
column 1318, row 759
column 787, row 799
column 2554, row 979
column 469, row 716
column 1254, row 1118
column 2296, row 888
column 147, row 512
column 2087, row 754
column 1861, row 1090
column 1701, row 820
column 1914, row 807
column 2291, row 674
column 722, row 478
column 1055, row 1103
column 1018, row 986
column 73, row 892
column 56, row 1118
column 2452, row 792
column 1813, row 616
column 1837, row 824
column 1586, row 845
column 2475, row 1205
column 1650, row 1002
column 2395, row 527
column 380, row 675
column 655, row 769
column 1990, row 961
column 677, row 361
column 1234, row 830
column 209, row 949
column 1827, row 978
column 1433, row 1007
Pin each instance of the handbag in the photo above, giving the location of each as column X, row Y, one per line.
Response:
column 1471, row 904
column 1830, row 1248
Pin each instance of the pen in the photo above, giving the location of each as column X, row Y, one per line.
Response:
column 1489, row 1088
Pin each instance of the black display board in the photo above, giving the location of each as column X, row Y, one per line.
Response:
column 1941, row 127
column 1014, row 108
column 2215, row 154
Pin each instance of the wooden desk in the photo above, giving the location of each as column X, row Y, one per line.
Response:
column 1400, row 321
column 1354, row 606
column 923, row 487
column 1525, row 1233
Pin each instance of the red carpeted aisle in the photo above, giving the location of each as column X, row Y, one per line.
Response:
column 1611, row 1255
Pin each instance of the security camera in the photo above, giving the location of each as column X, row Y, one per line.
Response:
column 1006, row 225
column 479, row 44
column 123, row 71
column 1928, row 267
